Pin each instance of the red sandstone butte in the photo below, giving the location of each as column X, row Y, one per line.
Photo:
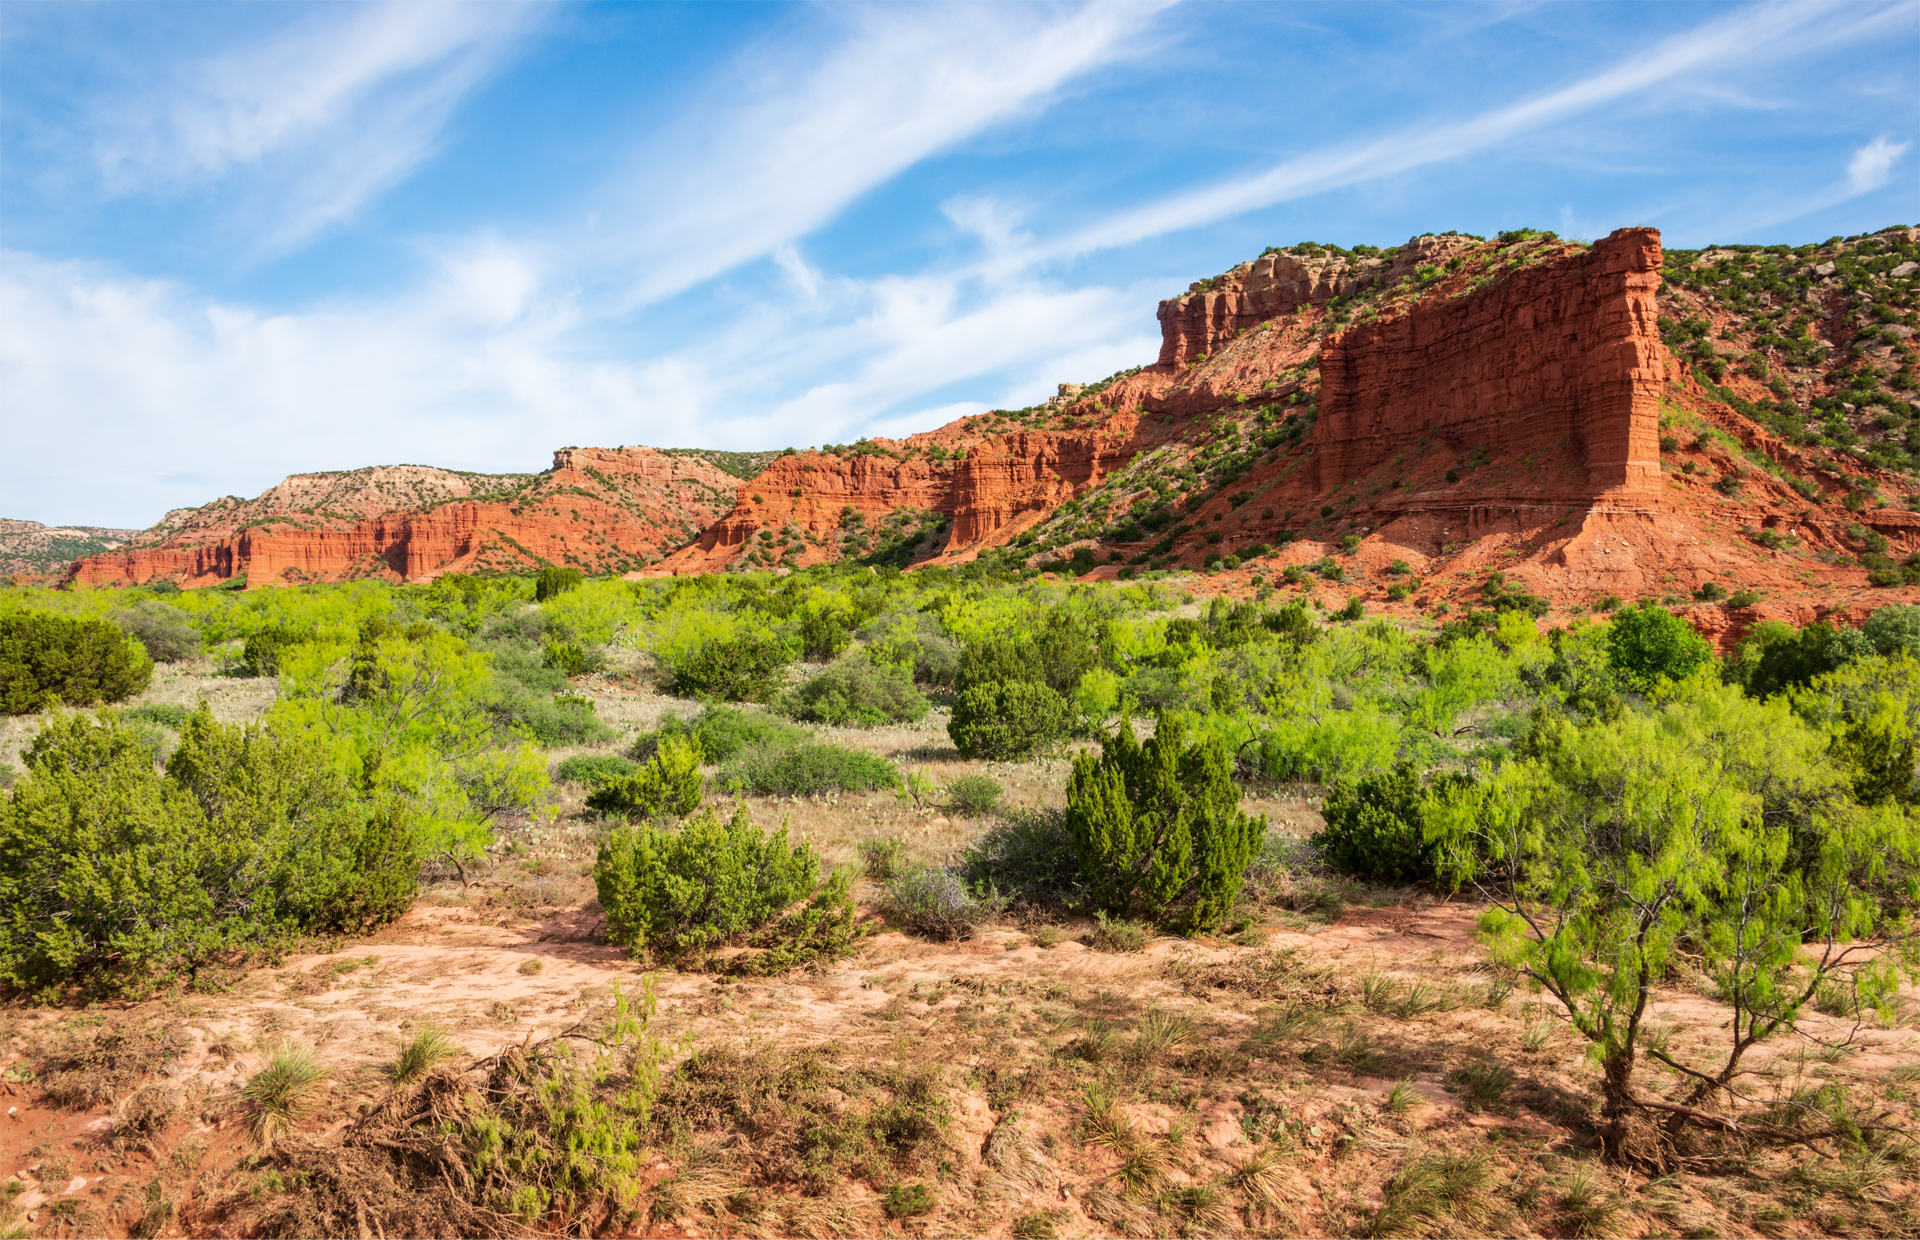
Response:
column 603, row 509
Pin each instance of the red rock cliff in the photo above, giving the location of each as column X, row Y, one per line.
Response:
column 603, row 509
column 1565, row 355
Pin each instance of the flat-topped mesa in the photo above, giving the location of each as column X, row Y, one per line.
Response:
column 1564, row 355
column 1276, row 284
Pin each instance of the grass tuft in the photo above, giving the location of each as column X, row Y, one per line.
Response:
column 283, row 1093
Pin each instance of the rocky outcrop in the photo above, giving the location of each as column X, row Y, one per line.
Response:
column 30, row 549
column 603, row 510
column 1275, row 285
column 1565, row 356
column 1011, row 476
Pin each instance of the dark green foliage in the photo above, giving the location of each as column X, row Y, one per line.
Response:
column 1157, row 827
column 261, row 655
column 819, row 931
column 700, row 886
column 1501, row 595
column 1008, row 720
column 47, row 658
column 1029, row 855
column 741, row 668
column 553, row 721
column 166, row 714
column 553, row 582
column 1355, row 610
column 1058, row 655
column 163, row 631
column 115, row 875
column 824, row 634
column 594, row 770
column 1893, row 628
column 807, row 768
column 1648, row 644
column 859, row 693
column 722, row 732
column 669, row 784
column 1373, row 826
column 1773, row 657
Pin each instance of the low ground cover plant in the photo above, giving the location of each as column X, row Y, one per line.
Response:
column 807, row 768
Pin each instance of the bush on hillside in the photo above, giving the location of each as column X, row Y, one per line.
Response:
column 47, row 658
column 721, row 732
column 1157, row 827
column 1893, row 628
column 743, row 667
column 1009, row 720
column 115, row 875
column 261, row 654
column 936, row 902
column 1774, row 657
column 858, row 693
column 1028, row 854
column 669, row 784
column 973, row 796
column 700, row 886
column 807, row 768
column 553, row 582
column 1648, row 644
column 163, row 631
column 595, row 769
column 1374, row 828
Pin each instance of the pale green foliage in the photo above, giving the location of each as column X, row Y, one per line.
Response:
column 1714, row 821
column 669, row 783
column 594, row 613
column 1157, row 827
column 701, row 885
column 282, row 1093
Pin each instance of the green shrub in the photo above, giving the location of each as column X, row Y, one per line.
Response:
column 936, row 902
column 1648, row 644
column 721, row 732
column 552, row 721
column 745, row 666
column 973, row 796
column 120, row 877
column 1374, row 828
column 700, row 886
column 824, row 634
column 1893, row 628
column 856, row 692
column 806, row 768
column 1117, row 934
column 553, row 582
column 1028, row 854
column 880, row 855
column 1773, row 657
column 571, row 659
column 261, row 654
column 164, row 631
column 1157, row 827
column 594, row 770
column 1355, row 610
column 166, row 714
column 46, row 658
column 669, row 783
column 1009, row 720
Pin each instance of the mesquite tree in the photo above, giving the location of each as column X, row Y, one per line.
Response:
column 1713, row 832
column 1157, row 827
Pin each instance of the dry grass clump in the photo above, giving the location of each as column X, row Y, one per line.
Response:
column 96, row 1059
column 282, row 1094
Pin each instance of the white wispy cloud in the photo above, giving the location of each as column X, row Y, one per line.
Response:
column 789, row 141
column 1872, row 165
column 1745, row 37
column 313, row 120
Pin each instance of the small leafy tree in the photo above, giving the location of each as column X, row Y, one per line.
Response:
column 1716, row 824
column 700, row 886
column 669, row 783
column 1157, row 827
column 162, row 630
column 1648, row 644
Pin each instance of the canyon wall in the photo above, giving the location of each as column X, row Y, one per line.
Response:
column 1563, row 356
column 602, row 509
column 1010, row 476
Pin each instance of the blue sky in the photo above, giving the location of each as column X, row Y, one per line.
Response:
column 240, row 241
